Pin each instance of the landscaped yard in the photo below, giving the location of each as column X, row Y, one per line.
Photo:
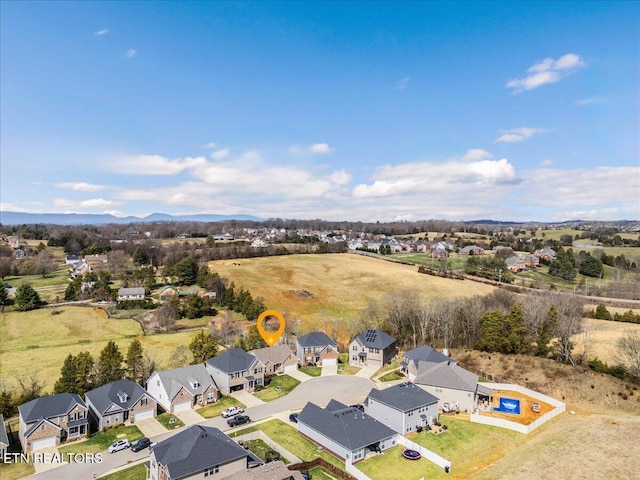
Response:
column 391, row 465
column 101, row 441
column 169, row 421
column 343, row 365
column 391, row 376
column 312, row 371
column 137, row 472
column 278, row 387
column 388, row 368
column 260, row 448
column 289, row 438
column 214, row 409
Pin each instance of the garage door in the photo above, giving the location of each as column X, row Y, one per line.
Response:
column 181, row 407
column 143, row 415
column 330, row 361
column 291, row 368
column 43, row 443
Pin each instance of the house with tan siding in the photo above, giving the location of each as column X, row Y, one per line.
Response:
column 119, row 402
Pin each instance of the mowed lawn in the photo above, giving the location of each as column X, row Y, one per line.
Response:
column 39, row 341
column 342, row 284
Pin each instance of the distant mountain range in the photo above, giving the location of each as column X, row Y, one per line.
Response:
column 19, row 218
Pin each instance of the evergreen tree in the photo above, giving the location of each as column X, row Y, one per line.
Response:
column 4, row 296
column 203, row 347
column 85, row 374
column 110, row 364
column 591, row 267
column 7, row 404
column 203, row 276
column 68, row 377
column 26, row 298
column 186, row 271
column 545, row 331
column 135, row 358
column 602, row 313
column 517, row 330
column 139, row 258
column 254, row 339
column 192, row 307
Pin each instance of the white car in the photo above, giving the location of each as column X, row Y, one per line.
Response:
column 231, row 411
column 119, row 445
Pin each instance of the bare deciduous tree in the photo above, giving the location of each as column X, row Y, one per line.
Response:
column 166, row 317
column 629, row 353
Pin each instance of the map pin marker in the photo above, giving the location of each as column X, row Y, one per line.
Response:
column 271, row 338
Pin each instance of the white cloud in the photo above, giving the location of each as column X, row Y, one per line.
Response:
column 403, row 83
column 321, row 148
column 476, row 154
column 130, row 53
column 220, row 154
column 517, row 134
column 546, row 163
column 81, row 186
column 547, row 71
column 591, row 101
column 154, row 165
column 209, row 145
column 104, row 31
column 71, row 205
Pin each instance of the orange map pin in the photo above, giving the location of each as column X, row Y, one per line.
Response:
column 270, row 337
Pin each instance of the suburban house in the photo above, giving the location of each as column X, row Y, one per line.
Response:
column 71, row 259
column 414, row 359
column 372, row 347
column 52, row 420
column 403, row 407
column 449, row 382
column 199, row 452
column 546, row 254
column 277, row 359
column 235, row 369
column 531, row 260
column 4, row 438
column 131, row 293
column 515, row 264
column 472, row 250
column 269, row 471
column 183, row 388
column 119, row 402
column 316, row 348
column 345, row 431
column 439, row 252
column 166, row 292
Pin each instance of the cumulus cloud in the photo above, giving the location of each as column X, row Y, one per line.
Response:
column 517, row 134
column 321, row 148
column 546, row 163
column 81, row 186
column 154, row 165
column 72, row 205
column 130, row 53
column 220, row 154
column 403, row 83
column 547, row 71
column 209, row 145
column 99, row 33
column 476, row 154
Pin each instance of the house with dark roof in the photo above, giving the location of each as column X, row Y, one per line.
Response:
column 4, row 438
column 449, row 382
column 345, row 431
column 183, row 388
column 119, row 402
column 372, row 347
column 52, row 420
column 403, row 407
column 316, row 348
column 277, row 359
column 423, row 354
column 235, row 369
column 199, row 452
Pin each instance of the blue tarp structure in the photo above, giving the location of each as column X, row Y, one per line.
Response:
column 508, row 405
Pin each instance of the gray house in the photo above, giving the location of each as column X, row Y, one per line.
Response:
column 402, row 407
column 418, row 358
column 345, row 431
column 235, row 369
column 119, row 402
column 372, row 347
column 198, row 452
column 4, row 438
column 183, row 388
column 316, row 348
column 131, row 293
column 449, row 382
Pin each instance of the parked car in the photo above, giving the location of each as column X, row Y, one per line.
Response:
column 293, row 417
column 231, row 411
column 238, row 420
column 144, row 442
column 119, row 445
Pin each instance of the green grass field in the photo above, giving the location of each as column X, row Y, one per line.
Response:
column 260, row 448
column 279, row 387
column 311, row 371
column 214, row 410
column 39, row 341
column 137, row 472
column 391, row 465
column 169, row 421
column 101, row 441
column 455, row 261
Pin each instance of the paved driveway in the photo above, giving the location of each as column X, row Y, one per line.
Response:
column 150, row 427
column 329, row 369
column 48, row 463
column 367, row 372
column 298, row 375
column 189, row 417
column 248, row 399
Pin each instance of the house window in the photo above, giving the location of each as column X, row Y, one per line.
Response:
column 258, row 370
column 210, row 397
column 355, row 359
column 73, row 431
column 355, row 348
column 144, row 401
column 43, row 427
column 117, row 418
column 211, row 470
column 80, row 415
column 72, row 417
column 158, row 382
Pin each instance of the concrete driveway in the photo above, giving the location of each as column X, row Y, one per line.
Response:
column 248, row 399
column 329, row 369
column 300, row 376
column 189, row 417
column 367, row 372
column 47, row 462
column 150, row 427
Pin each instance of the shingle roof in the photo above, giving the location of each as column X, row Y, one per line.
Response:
column 195, row 449
column 276, row 354
column 427, row 354
column 4, row 439
column 50, row 406
column 403, row 397
column 446, row 375
column 232, row 360
column 107, row 395
column 177, row 378
column 316, row 339
column 131, row 291
column 346, row 426
column 375, row 339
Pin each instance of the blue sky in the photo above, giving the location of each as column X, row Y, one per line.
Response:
column 359, row 111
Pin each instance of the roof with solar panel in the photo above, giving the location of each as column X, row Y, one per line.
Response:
column 375, row 339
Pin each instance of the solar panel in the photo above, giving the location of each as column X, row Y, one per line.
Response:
column 370, row 335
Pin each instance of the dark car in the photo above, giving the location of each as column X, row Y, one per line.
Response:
column 238, row 420
column 293, row 417
column 144, row 442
